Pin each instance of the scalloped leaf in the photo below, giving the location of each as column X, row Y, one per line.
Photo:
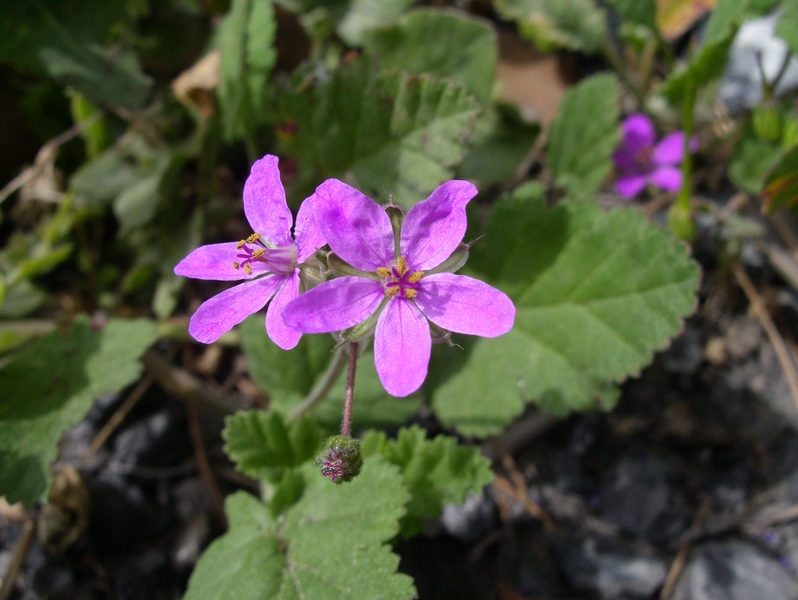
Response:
column 263, row 445
column 584, row 135
column 288, row 377
column 437, row 471
column 577, row 25
column 246, row 41
column 422, row 41
column 384, row 133
column 330, row 545
column 596, row 294
column 48, row 388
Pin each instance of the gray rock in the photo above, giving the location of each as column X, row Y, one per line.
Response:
column 734, row 570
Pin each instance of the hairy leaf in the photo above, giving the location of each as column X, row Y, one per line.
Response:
column 553, row 24
column 422, row 41
column 391, row 133
column 436, row 471
column 330, row 545
column 263, row 445
column 48, row 388
column 584, row 134
column 596, row 294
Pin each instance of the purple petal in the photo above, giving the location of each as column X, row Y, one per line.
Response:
column 625, row 160
column 402, row 345
column 667, row 178
column 670, row 149
column 638, row 133
column 215, row 261
column 306, row 232
column 282, row 335
column 221, row 313
column 334, row 305
column 434, row 228
column 465, row 305
column 264, row 202
column 630, row 186
column 357, row 229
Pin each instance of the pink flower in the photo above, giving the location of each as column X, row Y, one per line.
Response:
column 269, row 262
column 395, row 280
column 642, row 161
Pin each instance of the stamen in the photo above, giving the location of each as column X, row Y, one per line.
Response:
column 253, row 238
column 236, row 265
column 401, row 265
column 383, row 272
column 248, row 269
column 241, row 244
column 416, row 277
column 259, row 252
column 392, row 291
column 410, row 294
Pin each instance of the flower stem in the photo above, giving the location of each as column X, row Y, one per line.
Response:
column 680, row 217
column 320, row 391
column 346, row 423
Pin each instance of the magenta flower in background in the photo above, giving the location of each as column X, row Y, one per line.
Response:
column 268, row 261
column 398, row 280
column 642, row 160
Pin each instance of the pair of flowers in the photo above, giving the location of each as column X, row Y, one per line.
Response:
column 393, row 272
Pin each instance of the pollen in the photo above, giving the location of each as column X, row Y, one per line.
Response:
column 253, row 238
column 241, row 244
column 248, row 269
column 415, row 277
column 393, row 291
column 411, row 293
column 383, row 272
column 236, row 265
column 259, row 252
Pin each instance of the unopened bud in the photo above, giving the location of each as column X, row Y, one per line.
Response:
column 341, row 460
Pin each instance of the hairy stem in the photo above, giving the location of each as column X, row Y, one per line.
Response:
column 320, row 392
column 346, row 423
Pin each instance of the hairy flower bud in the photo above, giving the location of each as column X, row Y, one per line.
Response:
column 341, row 460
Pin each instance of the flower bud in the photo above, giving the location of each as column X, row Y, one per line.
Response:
column 341, row 460
column 767, row 123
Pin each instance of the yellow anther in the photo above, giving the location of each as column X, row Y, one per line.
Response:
column 392, row 291
column 241, row 244
column 401, row 266
column 383, row 272
column 236, row 265
column 248, row 269
column 410, row 294
column 415, row 277
column 253, row 238
column 258, row 253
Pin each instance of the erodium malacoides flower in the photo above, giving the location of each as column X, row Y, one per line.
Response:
column 271, row 263
column 641, row 160
column 395, row 280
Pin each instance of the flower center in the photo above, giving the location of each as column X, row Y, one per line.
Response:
column 399, row 282
column 252, row 250
column 643, row 157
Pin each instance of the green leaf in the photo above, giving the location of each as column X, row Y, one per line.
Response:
column 436, row 471
column 246, row 41
column 781, row 183
column 101, row 179
column 752, row 160
column 137, row 204
column 362, row 15
column 382, row 133
column 49, row 387
column 706, row 64
column 263, row 445
column 288, row 377
column 596, row 294
column 787, row 27
column 502, row 139
column 640, row 12
column 553, row 24
column 584, row 135
column 330, row 545
column 62, row 39
column 422, row 41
